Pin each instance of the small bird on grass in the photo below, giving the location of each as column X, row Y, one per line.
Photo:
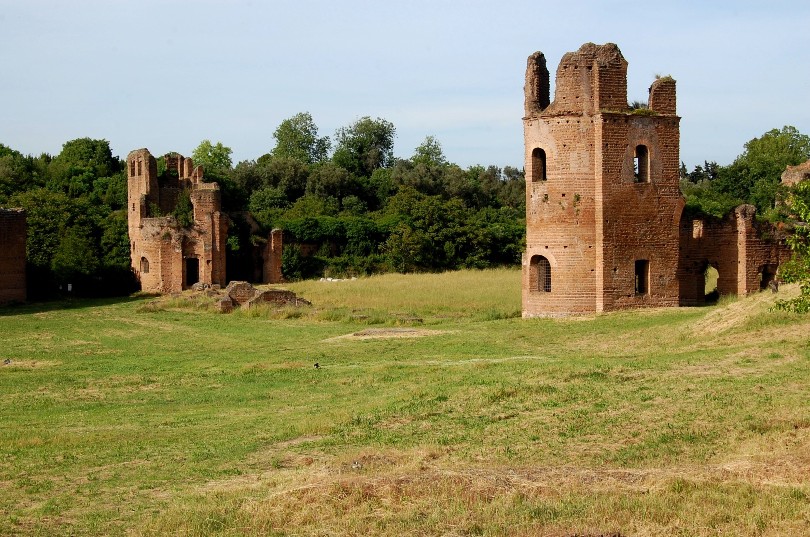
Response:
column 317, row 365
column 7, row 361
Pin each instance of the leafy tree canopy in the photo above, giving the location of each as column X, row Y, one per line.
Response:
column 80, row 163
column 364, row 146
column 429, row 152
column 17, row 173
column 215, row 158
column 754, row 175
column 297, row 138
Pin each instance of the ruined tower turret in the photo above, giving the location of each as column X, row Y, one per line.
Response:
column 602, row 196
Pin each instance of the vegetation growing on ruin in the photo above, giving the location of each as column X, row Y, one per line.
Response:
column 184, row 210
column 434, row 410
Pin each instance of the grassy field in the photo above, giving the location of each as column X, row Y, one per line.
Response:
column 436, row 410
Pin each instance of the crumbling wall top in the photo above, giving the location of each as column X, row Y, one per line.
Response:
column 795, row 174
column 13, row 211
column 591, row 79
column 662, row 96
column 536, row 89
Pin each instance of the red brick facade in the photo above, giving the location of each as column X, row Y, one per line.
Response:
column 13, row 233
column 745, row 253
column 167, row 257
column 603, row 203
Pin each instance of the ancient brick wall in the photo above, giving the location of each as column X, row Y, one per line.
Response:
column 560, row 214
column 13, row 234
column 794, row 174
column 745, row 253
column 762, row 249
column 589, row 220
column 707, row 242
column 167, row 257
column 638, row 217
column 271, row 272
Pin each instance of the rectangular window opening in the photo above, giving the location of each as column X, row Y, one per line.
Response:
column 641, row 164
column 642, row 277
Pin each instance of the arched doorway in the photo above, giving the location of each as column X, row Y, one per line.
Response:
column 540, row 274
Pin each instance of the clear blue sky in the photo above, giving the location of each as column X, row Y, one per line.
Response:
column 166, row 74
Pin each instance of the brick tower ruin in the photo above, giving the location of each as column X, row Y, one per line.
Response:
column 602, row 197
column 167, row 256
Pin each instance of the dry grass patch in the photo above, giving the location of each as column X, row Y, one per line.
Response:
column 416, row 494
column 737, row 313
column 17, row 363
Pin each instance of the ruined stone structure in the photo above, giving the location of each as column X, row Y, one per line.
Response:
column 745, row 253
column 271, row 258
column 13, row 233
column 603, row 204
column 166, row 256
column 794, row 174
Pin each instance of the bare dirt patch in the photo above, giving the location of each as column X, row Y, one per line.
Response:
column 28, row 364
column 389, row 333
column 381, row 333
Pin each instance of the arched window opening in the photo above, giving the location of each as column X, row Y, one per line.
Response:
column 132, row 167
column 641, row 164
column 144, row 265
column 540, row 274
column 538, row 165
column 642, row 277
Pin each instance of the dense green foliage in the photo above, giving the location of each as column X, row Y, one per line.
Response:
column 798, row 269
column 364, row 211
column 752, row 178
column 77, row 232
column 297, row 138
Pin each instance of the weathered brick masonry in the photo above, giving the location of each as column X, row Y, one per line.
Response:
column 794, row 174
column 168, row 257
column 13, row 233
column 603, row 204
column 165, row 256
column 745, row 253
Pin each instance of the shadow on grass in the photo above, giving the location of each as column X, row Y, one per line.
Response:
column 70, row 303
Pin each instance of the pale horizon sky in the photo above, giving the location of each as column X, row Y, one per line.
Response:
column 166, row 74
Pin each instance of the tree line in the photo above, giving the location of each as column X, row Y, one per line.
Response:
column 346, row 204
column 753, row 177
column 347, row 207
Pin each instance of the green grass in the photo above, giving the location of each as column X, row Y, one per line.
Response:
column 159, row 416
